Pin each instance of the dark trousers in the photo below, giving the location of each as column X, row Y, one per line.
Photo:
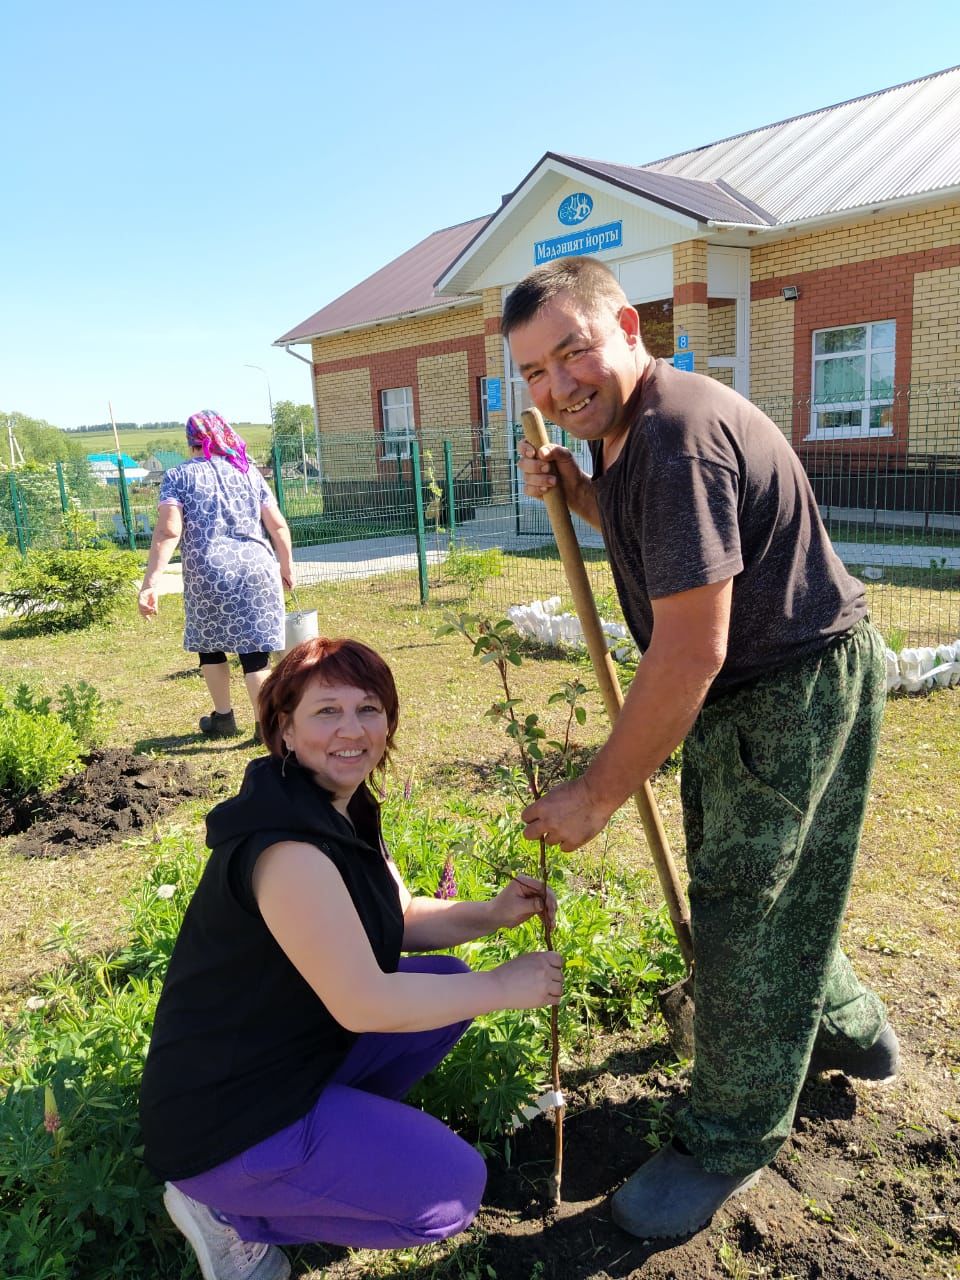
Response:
column 774, row 787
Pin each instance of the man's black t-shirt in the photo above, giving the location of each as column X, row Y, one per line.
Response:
column 707, row 488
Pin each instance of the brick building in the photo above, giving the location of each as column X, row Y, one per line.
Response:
column 813, row 264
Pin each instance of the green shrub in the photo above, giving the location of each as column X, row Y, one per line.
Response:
column 69, row 589
column 617, row 955
column 36, row 751
column 82, row 710
column 75, row 1198
column 472, row 568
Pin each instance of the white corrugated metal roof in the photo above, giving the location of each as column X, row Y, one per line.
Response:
column 890, row 145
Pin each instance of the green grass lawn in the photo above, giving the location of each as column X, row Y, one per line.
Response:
column 901, row 930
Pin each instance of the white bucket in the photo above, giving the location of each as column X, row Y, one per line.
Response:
column 300, row 625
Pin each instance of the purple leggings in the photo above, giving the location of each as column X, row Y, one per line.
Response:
column 361, row 1168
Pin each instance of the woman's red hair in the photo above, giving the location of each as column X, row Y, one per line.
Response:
column 330, row 662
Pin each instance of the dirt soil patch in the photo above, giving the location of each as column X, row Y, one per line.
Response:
column 118, row 792
column 856, row 1193
column 864, row 1189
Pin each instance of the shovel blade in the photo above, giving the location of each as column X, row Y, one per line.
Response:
column 676, row 1008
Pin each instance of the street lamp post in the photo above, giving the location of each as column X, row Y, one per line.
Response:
column 269, row 392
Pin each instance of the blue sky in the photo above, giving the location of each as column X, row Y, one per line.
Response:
column 184, row 182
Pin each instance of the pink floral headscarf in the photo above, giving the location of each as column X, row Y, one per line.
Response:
column 206, row 430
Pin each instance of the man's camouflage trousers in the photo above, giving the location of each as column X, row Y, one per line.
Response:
column 774, row 786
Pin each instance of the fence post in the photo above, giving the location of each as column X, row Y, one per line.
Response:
column 451, row 492
column 125, row 515
column 278, row 481
column 64, row 503
column 515, row 479
column 17, row 516
column 421, row 522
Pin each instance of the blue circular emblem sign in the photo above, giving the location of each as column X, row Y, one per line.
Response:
column 575, row 208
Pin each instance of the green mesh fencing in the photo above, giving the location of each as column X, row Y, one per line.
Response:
column 441, row 516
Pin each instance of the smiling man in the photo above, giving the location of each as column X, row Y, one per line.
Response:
column 759, row 656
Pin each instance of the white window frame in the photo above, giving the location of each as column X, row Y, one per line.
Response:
column 850, row 431
column 397, row 435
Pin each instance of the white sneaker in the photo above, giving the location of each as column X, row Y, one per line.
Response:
column 220, row 1251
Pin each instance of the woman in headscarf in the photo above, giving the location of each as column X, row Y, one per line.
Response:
column 236, row 558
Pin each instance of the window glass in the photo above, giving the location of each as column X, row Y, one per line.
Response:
column 882, row 335
column 881, row 375
column 841, row 379
column 396, row 404
column 828, row 341
column 854, row 379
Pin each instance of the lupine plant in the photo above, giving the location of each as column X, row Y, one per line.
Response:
column 499, row 645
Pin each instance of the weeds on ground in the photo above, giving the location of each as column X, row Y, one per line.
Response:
column 41, row 743
column 75, row 1199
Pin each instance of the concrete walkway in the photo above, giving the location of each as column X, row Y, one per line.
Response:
column 497, row 527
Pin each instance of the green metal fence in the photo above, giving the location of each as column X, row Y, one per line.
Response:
column 359, row 508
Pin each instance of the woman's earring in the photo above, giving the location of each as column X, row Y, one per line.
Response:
column 284, row 758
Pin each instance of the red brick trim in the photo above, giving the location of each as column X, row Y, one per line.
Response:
column 398, row 368
column 693, row 291
column 855, row 293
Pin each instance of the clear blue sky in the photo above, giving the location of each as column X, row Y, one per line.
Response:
column 184, row 182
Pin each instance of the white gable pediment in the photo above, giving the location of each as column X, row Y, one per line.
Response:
column 543, row 220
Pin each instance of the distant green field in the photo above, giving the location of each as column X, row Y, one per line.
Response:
column 139, row 443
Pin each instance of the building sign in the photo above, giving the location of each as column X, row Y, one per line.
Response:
column 494, row 394
column 609, row 236
column 575, row 209
column 683, row 360
column 683, row 341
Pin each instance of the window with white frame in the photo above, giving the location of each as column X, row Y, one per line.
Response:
column 396, row 408
column 853, row 380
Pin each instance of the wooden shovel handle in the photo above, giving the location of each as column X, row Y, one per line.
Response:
column 586, row 607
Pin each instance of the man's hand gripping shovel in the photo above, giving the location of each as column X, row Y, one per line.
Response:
column 676, row 1003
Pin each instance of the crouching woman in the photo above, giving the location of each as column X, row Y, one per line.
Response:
column 289, row 1027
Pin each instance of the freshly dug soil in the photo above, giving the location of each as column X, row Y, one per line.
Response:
column 118, row 792
column 864, row 1189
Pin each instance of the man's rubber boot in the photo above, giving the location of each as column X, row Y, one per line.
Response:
column 219, row 725
column 672, row 1195
column 876, row 1065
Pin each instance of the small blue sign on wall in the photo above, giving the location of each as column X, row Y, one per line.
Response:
column 683, row 360
column 575, row 209
column 494, row 394
column 683, row 341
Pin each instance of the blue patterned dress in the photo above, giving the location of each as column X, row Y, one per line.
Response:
column 232, row 593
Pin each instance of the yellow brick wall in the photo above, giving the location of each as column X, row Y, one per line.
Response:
column 444, row 391
column 345, row 406
column 445, row 406
column 690, row 262
column 771, row 358
column 883, row 236
column 442, row 326
column 722, row 326
column 690, row 267
column 348, row 444
column 936, row 350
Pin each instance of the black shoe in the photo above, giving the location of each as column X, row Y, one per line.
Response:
column 878, row 1064
column 672, row 1195
column 257, row 735
column 219, row 725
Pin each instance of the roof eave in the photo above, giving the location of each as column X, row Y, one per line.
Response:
column 875, row 209
column 447, row 305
